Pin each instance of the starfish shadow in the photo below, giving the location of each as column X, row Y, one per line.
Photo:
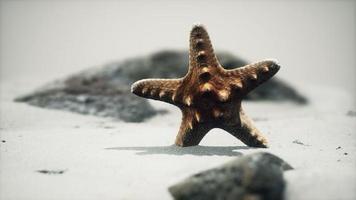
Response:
column 194, row 150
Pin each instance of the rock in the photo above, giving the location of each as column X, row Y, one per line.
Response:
column 255, row 176
column 105, row 91
column 50, row 172
column 300, row 143
column 351, row 113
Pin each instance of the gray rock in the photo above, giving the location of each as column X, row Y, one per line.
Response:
column 300, row 143
column 351, row 113
column 256, row 176
column 105, row 91
column 51, row 172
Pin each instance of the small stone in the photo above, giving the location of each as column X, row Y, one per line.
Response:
column 258, row 175
column 299, row 142
column 345, row 153
column 51, row 172
column 338, row 147
column 3, row 141
column 351, row 113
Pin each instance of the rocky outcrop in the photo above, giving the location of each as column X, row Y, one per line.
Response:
column 255, row 176
column 105, row 90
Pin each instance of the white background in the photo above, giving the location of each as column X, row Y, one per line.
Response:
column 313, row 40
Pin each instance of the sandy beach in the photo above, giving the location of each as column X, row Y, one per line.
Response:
column 107, row 159
column 52, row 154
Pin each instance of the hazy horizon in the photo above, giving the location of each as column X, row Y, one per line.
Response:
column 314, row 41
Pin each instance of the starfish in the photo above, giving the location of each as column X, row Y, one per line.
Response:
column 210, row 96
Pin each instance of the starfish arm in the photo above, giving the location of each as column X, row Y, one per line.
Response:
column 157, row 89
column 201, row 52
column 191, row 132
column 247, row 132
column 250, row 76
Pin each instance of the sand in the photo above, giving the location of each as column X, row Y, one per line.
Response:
column 106, row 159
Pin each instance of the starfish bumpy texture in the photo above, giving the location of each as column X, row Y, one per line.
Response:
column 208, row 95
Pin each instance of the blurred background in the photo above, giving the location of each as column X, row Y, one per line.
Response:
column 314, row 41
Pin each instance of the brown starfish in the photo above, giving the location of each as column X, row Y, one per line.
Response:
column 208, row 95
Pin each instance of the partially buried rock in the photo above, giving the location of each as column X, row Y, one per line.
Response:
column 255, row 176
column 105, row 90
